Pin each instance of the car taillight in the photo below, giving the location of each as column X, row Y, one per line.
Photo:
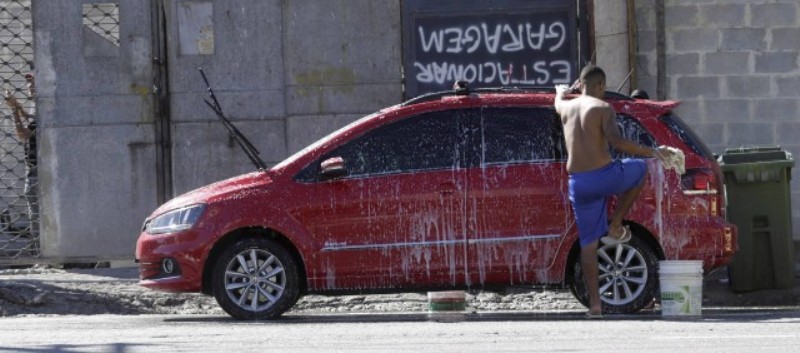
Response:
column 698, row 181
column 701, row 182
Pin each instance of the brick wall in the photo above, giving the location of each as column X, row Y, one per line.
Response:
column 735, row 65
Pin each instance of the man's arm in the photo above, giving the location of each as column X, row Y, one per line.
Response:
column 15, row 105
column 22, row 131
column 561, row 91
column 620, row 143
column 17, row 111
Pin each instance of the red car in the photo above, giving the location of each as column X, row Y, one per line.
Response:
column 462, row 189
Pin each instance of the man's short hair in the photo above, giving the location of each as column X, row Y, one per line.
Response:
column 592, row 74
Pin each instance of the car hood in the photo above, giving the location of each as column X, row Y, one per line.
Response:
column 235, row 187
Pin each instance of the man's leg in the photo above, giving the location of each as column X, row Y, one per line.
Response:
column 591, row 276
column 624, row 204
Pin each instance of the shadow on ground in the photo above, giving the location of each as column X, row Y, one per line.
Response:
column 717, row 293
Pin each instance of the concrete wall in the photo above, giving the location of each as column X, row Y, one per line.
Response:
column 735, row 65
column 611, row 42
column 245, row 67
column 96, row 151
column 287, row 72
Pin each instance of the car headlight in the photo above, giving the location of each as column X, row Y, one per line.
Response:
column 175, row 220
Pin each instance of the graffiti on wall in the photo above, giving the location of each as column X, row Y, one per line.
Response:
column 490, row 50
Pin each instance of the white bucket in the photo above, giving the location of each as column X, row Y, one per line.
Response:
column 681, row 288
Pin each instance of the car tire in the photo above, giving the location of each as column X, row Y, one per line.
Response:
column 628, row 277
column 255, row 292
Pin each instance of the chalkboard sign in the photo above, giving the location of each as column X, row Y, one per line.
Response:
column 490, row 44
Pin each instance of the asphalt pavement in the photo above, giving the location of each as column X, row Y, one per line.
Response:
column 760, row 331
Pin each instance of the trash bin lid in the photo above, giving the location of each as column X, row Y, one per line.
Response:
column 754, row 154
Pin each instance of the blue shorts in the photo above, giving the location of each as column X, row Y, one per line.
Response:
column 589, row 192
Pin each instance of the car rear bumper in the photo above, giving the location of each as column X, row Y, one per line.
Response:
column 712, row 240
column 729, row 247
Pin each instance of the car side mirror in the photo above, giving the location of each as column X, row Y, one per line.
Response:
column 332, row 168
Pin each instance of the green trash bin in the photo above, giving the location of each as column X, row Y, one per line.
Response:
column 759, row 203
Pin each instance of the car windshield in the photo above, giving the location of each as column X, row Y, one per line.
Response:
column 676, row 125
column 319, row 142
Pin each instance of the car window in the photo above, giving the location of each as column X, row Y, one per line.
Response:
column 297, row 155
column 677, row 126
column 632, row 130
column 433, row 140
column 520, row 135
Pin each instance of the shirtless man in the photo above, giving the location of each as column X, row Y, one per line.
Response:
column 589, row 127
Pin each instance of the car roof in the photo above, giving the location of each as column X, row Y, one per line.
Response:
column 524, row 95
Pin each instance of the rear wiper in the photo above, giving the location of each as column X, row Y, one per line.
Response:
column 250, row 150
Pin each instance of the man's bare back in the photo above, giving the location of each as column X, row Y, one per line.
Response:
column 590, row 126
column 583, row 120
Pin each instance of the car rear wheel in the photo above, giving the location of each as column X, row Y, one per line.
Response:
column 255, row 278
column 628, row 279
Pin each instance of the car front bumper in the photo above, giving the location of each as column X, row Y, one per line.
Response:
column 185, row 250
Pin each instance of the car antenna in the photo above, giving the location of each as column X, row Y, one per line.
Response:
column 250, row 150
column 626, row 80
column 591, row 59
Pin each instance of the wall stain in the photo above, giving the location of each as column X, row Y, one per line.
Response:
column 146, row 113
column 140, row 90
column 338, row 79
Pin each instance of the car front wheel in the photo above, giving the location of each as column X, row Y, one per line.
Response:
column 628, row 277
column 255, row 278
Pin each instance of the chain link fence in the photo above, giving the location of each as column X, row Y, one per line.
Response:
column 19, row 231
column 19, row 201
column 103, row 19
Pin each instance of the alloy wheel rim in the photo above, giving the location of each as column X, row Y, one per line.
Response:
column 255, row 280
column 623, row 273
